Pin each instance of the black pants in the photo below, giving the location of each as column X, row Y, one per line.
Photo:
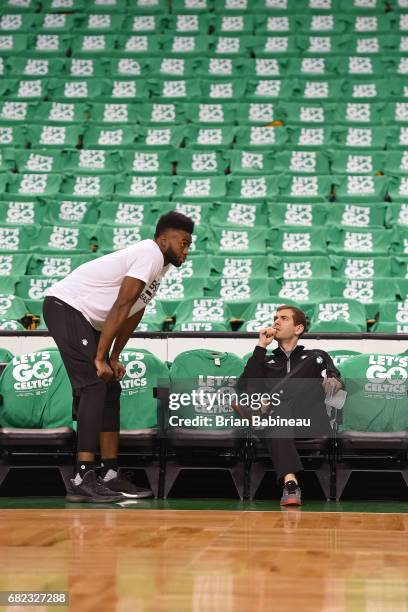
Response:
column 284, row 456
column 96, row 404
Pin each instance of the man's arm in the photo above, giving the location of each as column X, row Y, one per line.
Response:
column 129, row 292
column 120, row 342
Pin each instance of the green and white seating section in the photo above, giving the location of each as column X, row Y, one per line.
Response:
column 280, row 126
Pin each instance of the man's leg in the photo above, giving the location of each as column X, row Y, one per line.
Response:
column 287, row 463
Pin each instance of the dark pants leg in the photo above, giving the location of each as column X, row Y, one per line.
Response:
column 284, row 456
column 96, row 403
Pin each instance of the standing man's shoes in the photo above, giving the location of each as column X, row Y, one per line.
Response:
column 291, row 494
column 122, row 484
column 91, row 491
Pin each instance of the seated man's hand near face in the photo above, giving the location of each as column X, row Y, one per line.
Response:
column 266, row 335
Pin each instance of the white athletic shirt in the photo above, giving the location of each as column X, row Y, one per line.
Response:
column 93, row 287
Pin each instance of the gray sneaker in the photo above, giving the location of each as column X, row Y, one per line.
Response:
column 91, row 491
column 291, row 494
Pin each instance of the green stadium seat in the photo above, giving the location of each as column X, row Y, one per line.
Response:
column 360, row 267
column 13, row 264
column 60, row 112
column 261, row 137
column 302, row 162
column 67, row 210
column 255, row 188
column 361, row 114
column 311, row 138
column 338, row 316
column 209, row 137
column 12, row 307
column 211, row 188
column 339, row 356
column 120, row 236
column 303, row 215
column 113, row 114
column 235, row 289
column 39, row 161
column 126, row 213
column 203, row 314
column 21, row 212
column 144, row 187
column 300, row 290
column 212, row 111
column 59, row 136
column 238, row 241
column 16, row 239
column 293, row 268
column 257, row 113
column 370, row 292
column 365, row 137
column 13, row 136
column 41, row 265
column 356, row 215
column 34, row 287
column 239, row 267
column 297, row 240
column 31, row 185
column 359, row 241
column 64, row 239
column 191, row 162
column 93, row 161
column 251, row 162
column 357, row 163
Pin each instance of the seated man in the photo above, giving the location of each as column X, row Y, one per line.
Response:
column 290, row 360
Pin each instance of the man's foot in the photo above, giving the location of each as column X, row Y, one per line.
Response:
column 123, row 485
column 291, row 494
column 90, row 490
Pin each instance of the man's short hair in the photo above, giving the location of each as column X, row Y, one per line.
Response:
column 174, row 220
column 299, row 317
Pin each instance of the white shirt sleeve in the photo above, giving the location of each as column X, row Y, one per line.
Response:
column 147, row 266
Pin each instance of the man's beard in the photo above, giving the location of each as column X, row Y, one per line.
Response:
column 172, row 258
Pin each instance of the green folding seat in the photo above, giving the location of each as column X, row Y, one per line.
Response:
column 211, row 112
column 239, row 215
column 8, row 284
column 275, row 24
column 251, row 162
column 178, row 68
column 143, row 187
column 203, row 314
column 300, row 290
column 93, row 161
column 16, row 22
column 96, row 23
column 49, row 45
column 338, row 315
column 36, row 392
column 399, row 266
column 396, row 163
column 113, row 113
column 13, row 136
column 172, row 291
column 88, row 185
column 127, row 66
column 221, row 90
column 356, row 66
column 186, row 24
column 41, row 265
column 390, row 328
column 302, row 162
column 201, row 243
column 148, row 162
column 238, row 241
column 376, row 401
column 158, row 136
column 39, row 161
column 33, row 185
column 139, row 45
column 371, row 44
column 261, row 137
column 352, row 267
column 324, row 44
column 154, row 317
column 236, row 289
column 143, row 372
column 63, row 6
column 30, row 90
column 318, row 24
column 17, row 238
column 312, row 67
column 75, row 90
column 64, row 113
column 209, row 188
column 240, row 267
column 356, row 215
column 190, row 6
column 359, row 241
column 283, row 45
column 34, row 287
column 362, row 7
column 78, row 67
column 192, row 162
column 161, row 113
column 256, row 188
column 305, row 188
column 266, row 90
column 64, row 210
column 122, row 90
column 229, row 45
column 195, row 266
column 370, row 24
column 12, row 307
column 7, row 160
column 14, row 112
column 297, row 240
column 261, row 313
column 4, row 180
column 63, row 239
column 222, row 67
column 304, row 215
column 291, row 268
column 21, row 212
column 400, row 247
column 104, row 137
column 13, row 44
column 360, row 188
column 311, row 137
column 55, row 23
column 358, row 113
column 398, row 189
column 402, row 284
column 126, row 213
column 307, row 114
column 233, row 24
column 13, row 264
column 369, row 90
column 184, row 44
column 94, row 45
column 118, row 237
column 392, row 317
column 364, row 137
column 199, row 212
column 11, row 325
column 357, row 162
column 325, row 91
column 209, row 137
column 258, row 113
column 339, row 356
column 60, row 136
column 370, row 292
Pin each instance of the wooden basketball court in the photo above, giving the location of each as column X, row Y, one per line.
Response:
column 150, row 560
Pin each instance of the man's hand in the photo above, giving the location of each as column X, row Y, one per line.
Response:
column 266, row 335
column 117, row 368
column 103, row 370
column 333, row 384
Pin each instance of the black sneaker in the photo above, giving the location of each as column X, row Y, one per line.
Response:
column 90, row 491
column 123, row 485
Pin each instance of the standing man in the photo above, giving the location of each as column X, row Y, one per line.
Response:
column 289, row 324
column 97, row 305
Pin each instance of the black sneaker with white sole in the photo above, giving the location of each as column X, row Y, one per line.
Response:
column 122, row 484
column 91, row 491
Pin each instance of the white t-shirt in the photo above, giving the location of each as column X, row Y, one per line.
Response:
column 93, row 287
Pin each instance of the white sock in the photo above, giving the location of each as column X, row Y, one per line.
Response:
column 110, row 474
